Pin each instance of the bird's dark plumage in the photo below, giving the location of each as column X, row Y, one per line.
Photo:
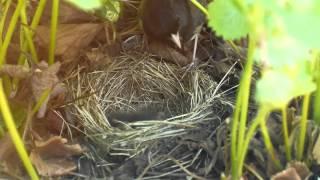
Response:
column 162, row 18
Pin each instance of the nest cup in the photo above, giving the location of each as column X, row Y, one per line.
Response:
column 174, row 100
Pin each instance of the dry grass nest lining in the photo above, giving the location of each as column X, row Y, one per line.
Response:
column 138, row 82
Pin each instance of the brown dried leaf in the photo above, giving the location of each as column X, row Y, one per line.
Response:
column 295, row 171
column 301, row 168
column 57, row 146
column 67, row 14
column 52, row 167
column 71, row 38
column 16, row 71
column 101, row 56
column 13, row 52
column 8, row 154
column 54, row 122
column 51, row 157
column 45, row 77
column 287, row 174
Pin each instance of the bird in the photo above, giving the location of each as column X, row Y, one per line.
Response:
column 170, row 21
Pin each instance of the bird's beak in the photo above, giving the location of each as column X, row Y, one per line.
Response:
column 176, row 39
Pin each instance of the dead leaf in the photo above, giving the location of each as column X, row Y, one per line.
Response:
column 71, row 38
column 295, row 171
column 15, row 71
column 54, row 122
column 287, row 174
column 67, row 13
column 57, row 146
column 301, row 168
column 51, row 157
column 52, row 167
column 8, row 155
column 45, row 77
column 13, row 52
column 101, row 56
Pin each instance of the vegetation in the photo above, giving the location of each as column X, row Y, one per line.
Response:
column 283, row 41
column 286, row 52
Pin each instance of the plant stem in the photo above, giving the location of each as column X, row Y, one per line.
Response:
column 28, row 35
column 234, row 135
column 33, row 26
column 38, row 14
column 316, row 72
column 238, row 133
column 199, row 6
column 246, row 81
column 268, row 143
column 303, row 126
column 53, row 30
column 11, row 27
column 43, row 98
column 3, row 19
column 19, row 145
column 286, row 133
column 261, row 116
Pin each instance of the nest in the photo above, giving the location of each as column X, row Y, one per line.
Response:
column 140, row 83
column 176, row 102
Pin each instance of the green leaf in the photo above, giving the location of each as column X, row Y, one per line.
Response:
column 110, row 10
column 281, row 50
column 87, row 5
column 278, row 86
column 299, row 19
column 304, row 27
column 227, row 20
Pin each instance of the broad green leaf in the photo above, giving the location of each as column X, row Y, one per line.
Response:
column 227, row 20
column 298, row 18
column 87, row 5
column 277, row 87
column 304, row 27
column 110, row 10
column 281, row 50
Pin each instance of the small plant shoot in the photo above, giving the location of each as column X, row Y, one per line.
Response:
column 282, row 38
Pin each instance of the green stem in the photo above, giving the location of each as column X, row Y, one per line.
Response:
column 238, row 133
column 28, row 35
column 38, row 14
column 303, row 125
column 3, row 19
column 33, row 26
column 234, row 135
column 53, row 30
column 261, row 116
column 246, row 81
column 19, row 145
column 44, row 96
column 11, row 28
column 286, row 133
column 316, row 72
column 268, row 143
column 199, row 6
